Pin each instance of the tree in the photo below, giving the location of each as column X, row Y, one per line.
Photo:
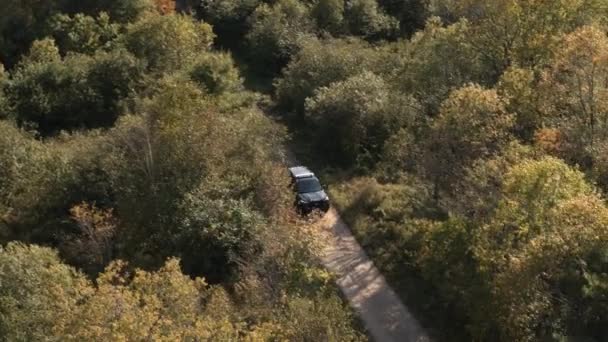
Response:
column 329, row 16
column 576, row 95
column 519, row 89
column 22, row 22
column 83, row 34
column 535, row 252
column 38, row 293
column 521, row 33
column 320, row 63
column 77, row 92
column 41, row 51
column 472, row 124
column 152, row 164
column 168, row 43
column 436, row 61
column 228, row 17
column 94, row 246
column 276, row 31
column 217, row 74
column 531, row 190
column 553, row 285
column 121, row 11
column 355, row 117
column 4, row 104
column 41, row 181
column 411, row 14
column 478, row 193
column 365, row 18
column 226, row 229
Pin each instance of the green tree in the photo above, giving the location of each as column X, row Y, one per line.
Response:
column 436, row 61
column 22, row 22
column 548, row 228
column 226, row 229
column 228, row 17
column 365, row 18
column 478, row 193
column 217, row 74
column 320, row 63
column 276, row 31
column 4, row 104
column 122, row 11
column 83, row 34
column 42, row 181
column 558, row 277
column 329, row 16
column 355, row 117
column 531, row 190
column 410, row 13
column 76, row 92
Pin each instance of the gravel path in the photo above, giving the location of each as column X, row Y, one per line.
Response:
column 380, row 309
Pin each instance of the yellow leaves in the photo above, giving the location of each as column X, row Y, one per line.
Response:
column 548, row 140
column 575, row 83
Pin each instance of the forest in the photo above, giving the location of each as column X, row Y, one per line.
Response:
column 143, row 194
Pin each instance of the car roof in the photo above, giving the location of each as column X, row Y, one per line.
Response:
column 307, row 178
column 300, row 172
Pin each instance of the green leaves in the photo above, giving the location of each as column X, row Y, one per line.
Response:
column 78, row 91
column 83, row 34
column 354, row 118
column 276, row 31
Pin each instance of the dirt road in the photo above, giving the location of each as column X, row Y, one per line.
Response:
column 382, row 312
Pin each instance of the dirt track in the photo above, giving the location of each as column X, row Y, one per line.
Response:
column 380, row 309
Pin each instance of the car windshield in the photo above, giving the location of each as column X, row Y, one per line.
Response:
column 307, row 185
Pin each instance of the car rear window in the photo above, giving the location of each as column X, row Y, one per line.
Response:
column 309, row 185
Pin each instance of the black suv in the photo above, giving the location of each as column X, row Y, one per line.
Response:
column 309, row 192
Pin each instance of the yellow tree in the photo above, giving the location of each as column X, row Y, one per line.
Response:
column 577, row 92
column 473, row 123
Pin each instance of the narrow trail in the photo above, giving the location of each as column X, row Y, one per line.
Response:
column 379, row 308
column 382, row 312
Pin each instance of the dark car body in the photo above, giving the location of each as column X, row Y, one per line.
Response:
column 310, row 195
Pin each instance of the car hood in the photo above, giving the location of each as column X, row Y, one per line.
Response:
column 309, row 197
